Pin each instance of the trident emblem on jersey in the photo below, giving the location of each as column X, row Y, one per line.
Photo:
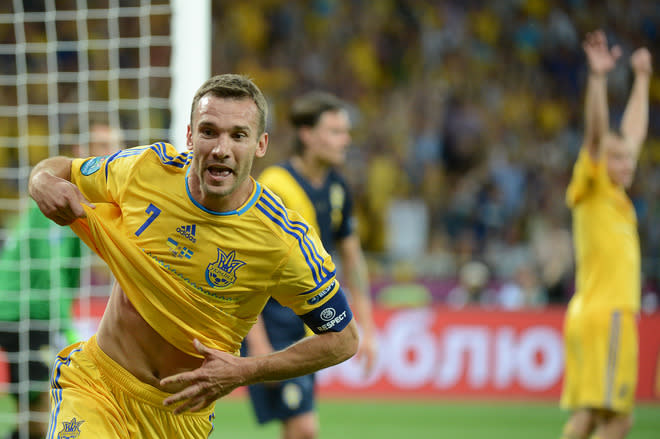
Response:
column 70, row 430
column 222, row 272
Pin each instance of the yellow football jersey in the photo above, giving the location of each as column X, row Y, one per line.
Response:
column 285, row 185
column 192, row 272
column 606, row 240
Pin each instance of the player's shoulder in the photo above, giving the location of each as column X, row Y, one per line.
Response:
column 288, row 223
column 161, row 153
column 274, row 173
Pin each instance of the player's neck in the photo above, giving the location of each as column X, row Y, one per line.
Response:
column 313, row 170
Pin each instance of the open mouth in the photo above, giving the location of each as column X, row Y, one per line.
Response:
column 219, row 171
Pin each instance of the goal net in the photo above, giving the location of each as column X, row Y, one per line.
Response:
column 65, row 66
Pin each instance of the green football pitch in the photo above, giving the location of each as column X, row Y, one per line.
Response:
column 386, row 419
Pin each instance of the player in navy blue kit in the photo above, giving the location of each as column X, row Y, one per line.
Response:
column 310, row 184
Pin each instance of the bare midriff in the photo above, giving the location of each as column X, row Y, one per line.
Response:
column 129, row 340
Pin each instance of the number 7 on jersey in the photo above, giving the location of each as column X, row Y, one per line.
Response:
column 153, row 212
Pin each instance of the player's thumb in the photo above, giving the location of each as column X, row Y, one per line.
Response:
column 79, row 209
column 201, row 348
column 86, row 202
column 77, row 204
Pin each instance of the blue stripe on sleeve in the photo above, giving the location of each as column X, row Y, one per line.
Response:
column 299, row 230
column 295, row 235
column 160, row 149
column 294, row 225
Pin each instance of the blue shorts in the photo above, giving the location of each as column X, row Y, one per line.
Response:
column 283, row 399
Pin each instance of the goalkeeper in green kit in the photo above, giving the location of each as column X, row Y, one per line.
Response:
column 39, row 278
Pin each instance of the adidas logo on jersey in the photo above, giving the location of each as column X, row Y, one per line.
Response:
column 188, row 232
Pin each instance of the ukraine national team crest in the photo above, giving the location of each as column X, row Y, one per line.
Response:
column 222, row 272
column 70, row 430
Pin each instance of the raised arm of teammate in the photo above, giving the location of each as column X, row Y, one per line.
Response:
column 601, row 61
column 635, row 121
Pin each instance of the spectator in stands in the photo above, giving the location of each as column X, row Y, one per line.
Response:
column 472, row 288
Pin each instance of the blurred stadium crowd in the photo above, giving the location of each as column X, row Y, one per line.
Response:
column 468, row 119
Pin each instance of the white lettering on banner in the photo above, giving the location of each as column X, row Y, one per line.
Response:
column 465, row 347
column 536, row 359
column 411, row 352
column 535, row 374
column 506, row 358
column 412, row 356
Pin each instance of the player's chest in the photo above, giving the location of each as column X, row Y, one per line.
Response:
column 200, row 249
column 328, row 203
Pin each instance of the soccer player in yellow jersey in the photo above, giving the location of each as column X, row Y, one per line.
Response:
column 600, row 329
column 197, row 248
column 310, row 183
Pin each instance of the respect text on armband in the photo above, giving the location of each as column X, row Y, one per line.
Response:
column 330, row 324
column 333, row 315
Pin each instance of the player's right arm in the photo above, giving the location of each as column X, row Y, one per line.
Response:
column 601, row 60
column 50, row 186
column 634, row 124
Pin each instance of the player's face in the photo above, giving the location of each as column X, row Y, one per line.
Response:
column 225, row 140
column 104, row 140
column 620, row 161
column 329, row 138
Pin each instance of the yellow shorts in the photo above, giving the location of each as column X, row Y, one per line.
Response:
column 601, row 350
column 94, row 397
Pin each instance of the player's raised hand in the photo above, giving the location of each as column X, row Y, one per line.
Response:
column 640, row 61
column 600, row 57
column 216, row 377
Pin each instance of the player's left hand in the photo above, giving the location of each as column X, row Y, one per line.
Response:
column 640, row 61
column 216, row 377
column 368, row 352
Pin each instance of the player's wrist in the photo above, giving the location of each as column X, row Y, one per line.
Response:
column 599, row 75
column 368, row 331
column 250, row 371
column 643, row 75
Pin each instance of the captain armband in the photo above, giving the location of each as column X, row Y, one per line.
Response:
column 334, row 315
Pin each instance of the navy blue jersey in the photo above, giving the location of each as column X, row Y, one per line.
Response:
column 328, row 208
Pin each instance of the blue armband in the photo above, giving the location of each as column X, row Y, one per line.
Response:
column 334, row 315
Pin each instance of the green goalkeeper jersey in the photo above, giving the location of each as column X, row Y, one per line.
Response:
column 39, row 270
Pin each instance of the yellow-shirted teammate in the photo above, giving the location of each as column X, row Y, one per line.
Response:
column 600, row 328
column 197, row 248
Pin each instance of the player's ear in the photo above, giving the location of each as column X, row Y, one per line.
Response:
column 262, row 146
column 189, row 142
